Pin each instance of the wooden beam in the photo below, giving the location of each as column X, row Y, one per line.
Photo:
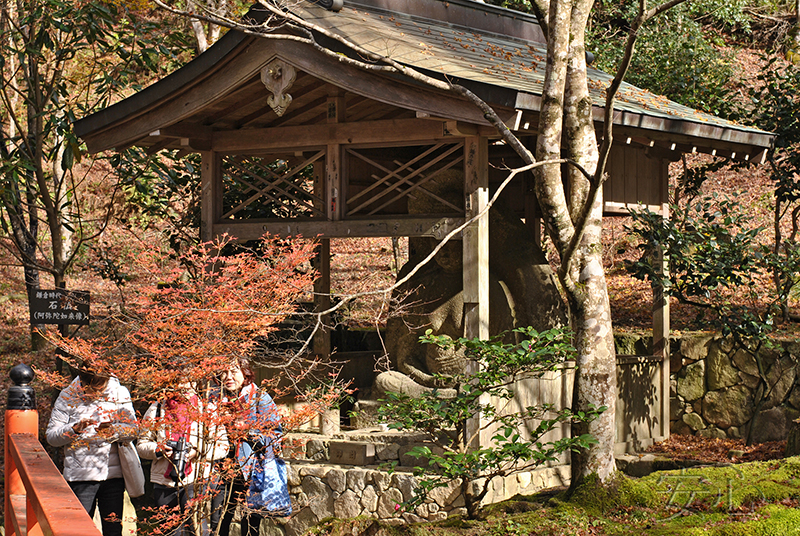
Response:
column 687, row 143
column 458, row 128
column 625, row 208
column 184, row 130
column 210, row 195
column 373, row 132
column 161, row 144
column 432, row 226
column 706, row 138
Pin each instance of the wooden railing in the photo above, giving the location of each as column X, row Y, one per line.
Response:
column 38, row 501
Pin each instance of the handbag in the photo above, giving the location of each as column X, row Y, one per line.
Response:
column 269, row 489
column 131, row 468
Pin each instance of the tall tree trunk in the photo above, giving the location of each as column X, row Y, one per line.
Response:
column 596, row 383
column 48, row 194
column 566, row 102
column 596, row 377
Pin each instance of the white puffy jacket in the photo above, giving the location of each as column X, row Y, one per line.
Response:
column 209, row 441
column 87, row 456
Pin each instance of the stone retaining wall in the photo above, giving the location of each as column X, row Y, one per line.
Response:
column 320, row 489
column 715, row 387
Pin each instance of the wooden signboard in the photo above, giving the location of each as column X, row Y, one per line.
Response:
column 60, row 306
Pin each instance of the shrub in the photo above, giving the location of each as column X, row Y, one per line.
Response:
column 497, row 366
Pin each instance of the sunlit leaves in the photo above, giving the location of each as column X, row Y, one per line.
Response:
column 673, row 56
column 193, row 318
column 517, row 442
column 715, row 259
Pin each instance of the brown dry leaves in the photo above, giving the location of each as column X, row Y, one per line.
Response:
column 711, row 450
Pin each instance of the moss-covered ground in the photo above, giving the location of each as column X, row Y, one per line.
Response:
column 749, row 499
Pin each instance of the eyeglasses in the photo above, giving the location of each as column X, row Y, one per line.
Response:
column 230, row 372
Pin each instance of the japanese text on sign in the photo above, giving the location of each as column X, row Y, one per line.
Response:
column 60, row 306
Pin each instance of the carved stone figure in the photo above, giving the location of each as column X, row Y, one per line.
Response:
column 522, row 292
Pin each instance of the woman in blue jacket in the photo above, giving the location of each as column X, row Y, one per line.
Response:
column 254, row 432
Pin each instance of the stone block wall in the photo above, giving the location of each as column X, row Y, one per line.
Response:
column 716, row 388
column 320, row 489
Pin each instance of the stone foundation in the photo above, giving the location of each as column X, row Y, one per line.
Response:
column 321, row 489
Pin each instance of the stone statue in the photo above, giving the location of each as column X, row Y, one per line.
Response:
column 522, row 292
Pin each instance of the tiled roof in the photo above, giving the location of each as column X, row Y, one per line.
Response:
column 488, row 58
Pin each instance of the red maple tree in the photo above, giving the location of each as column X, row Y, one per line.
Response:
column 189, row 319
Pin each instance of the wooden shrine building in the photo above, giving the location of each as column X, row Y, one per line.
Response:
column 263, row 112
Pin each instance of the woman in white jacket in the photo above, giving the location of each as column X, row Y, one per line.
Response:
column 89, row 417
column 182, row 438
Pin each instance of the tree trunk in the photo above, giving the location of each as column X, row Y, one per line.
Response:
column 596, row 376
column 566, row 102
column 596, row 381
column 25, row 233
column 32, row 279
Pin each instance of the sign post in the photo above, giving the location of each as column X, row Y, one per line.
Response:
column 60, row 306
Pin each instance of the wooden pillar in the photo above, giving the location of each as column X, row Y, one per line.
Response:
column 476, row 254
column 328, row 186
column 476, row 238
column 661, row 336
column 322, row 264
column 210, row 194
column 322, row 295
column 333, row 163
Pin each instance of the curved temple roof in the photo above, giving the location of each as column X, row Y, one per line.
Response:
column 498, row 53
column 510, row 62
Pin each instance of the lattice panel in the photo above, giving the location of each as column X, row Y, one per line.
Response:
column 396, row 177
column 271, row 187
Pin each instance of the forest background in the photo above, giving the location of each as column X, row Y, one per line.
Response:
column 96, row 218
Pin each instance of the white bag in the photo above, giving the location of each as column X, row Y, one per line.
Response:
column 131, row 469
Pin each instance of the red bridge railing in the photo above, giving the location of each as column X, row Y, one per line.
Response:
column 38, row 501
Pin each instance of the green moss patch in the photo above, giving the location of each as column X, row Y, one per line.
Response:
column 751, row 499
column 621, row 492
column 728, row 488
